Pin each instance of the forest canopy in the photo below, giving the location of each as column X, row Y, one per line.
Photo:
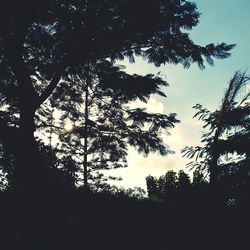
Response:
column 47, row 44
column 65, row 116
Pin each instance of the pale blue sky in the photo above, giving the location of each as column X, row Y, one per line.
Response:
column 221, row 21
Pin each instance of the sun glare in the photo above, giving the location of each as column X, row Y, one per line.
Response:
column 68, row 126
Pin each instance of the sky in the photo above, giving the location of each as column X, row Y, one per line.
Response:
column 221, row 21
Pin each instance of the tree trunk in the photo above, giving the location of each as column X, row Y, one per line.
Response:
column 37, row 201
column 86, row 117
column 214, row 168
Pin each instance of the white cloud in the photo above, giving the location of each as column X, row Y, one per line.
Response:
column 184, row 134
column 152, row 106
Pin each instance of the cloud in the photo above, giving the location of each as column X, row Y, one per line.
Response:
column 152, row 106
column 184, row 134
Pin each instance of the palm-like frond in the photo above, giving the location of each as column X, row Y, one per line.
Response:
column 227, row 129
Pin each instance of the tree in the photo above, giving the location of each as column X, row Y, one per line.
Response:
column 164, row 187
column 44, row 42
column 152, row 187
column 199, row 179
column 183, row 181
column 169, row 186
column 227, row 133
column 104, row 125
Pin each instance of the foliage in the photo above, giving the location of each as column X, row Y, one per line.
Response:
column 44, row 43
column 199, row 180
column 7, row 169
column 120, row 192
column 184, row 181
column 102, row 119
column 170, row 186
column 226, row 140
column 62, row 172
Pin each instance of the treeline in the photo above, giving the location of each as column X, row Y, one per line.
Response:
column 231, row 190
column 171, row 184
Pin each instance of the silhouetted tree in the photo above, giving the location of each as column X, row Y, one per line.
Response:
column 152, row 187
column 183, row 181
column 171, row 186
column 104, row 124
column 227, row 133
column 164, row 187
column 168, row 184
column 43, row 42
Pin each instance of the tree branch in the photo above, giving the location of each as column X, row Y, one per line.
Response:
column 52, row 85
column 14, row 53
